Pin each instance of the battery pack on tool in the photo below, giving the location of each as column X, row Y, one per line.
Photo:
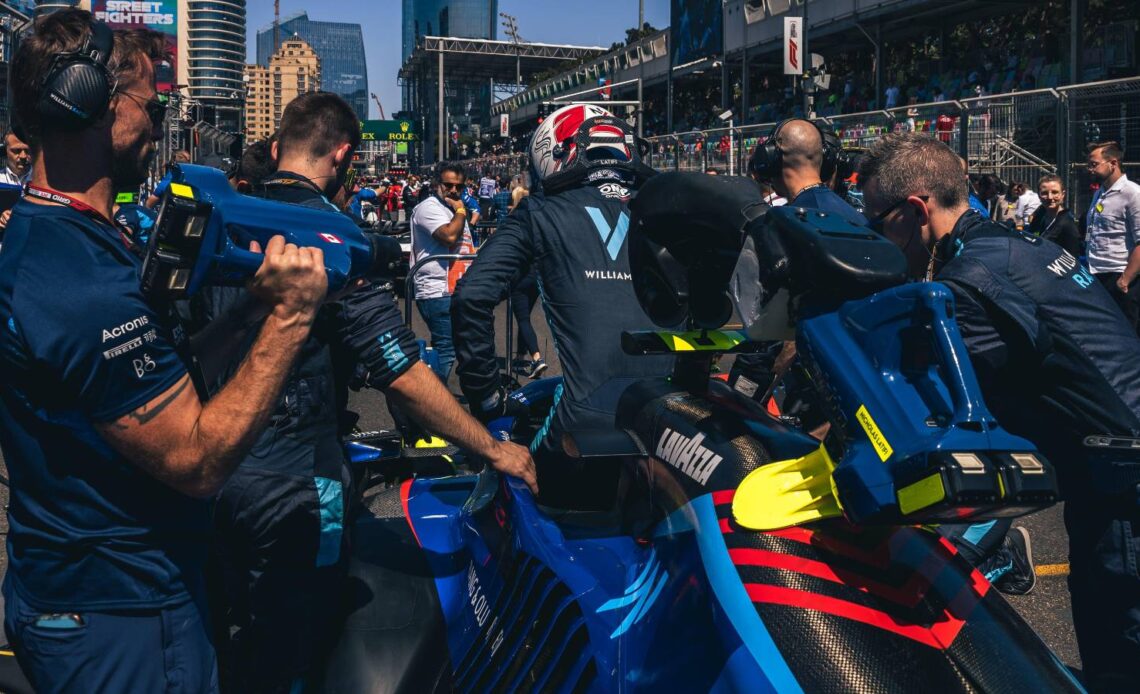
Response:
column 969, row 486
column 204, row 229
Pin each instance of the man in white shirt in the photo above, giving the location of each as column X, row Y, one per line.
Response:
column 19, row 167
column 892, row 95
column 439, row 226
column 1027, row 204
column 1113, row 223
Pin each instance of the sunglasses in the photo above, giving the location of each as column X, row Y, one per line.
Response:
column 880, row 219
column 451, row 186
column 155, row 108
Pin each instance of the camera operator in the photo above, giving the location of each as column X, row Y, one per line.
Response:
column 1057, row 362
column 280, row 519
column 110, row 452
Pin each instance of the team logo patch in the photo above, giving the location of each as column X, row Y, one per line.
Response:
column 612, row 237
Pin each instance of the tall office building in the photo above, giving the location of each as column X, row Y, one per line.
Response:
column 293, row 70
column 340, row 46
column 215, row 58
column 469, row 19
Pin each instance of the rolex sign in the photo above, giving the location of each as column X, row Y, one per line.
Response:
column 389, row 131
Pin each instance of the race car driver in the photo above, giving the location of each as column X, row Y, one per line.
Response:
column 586, row 162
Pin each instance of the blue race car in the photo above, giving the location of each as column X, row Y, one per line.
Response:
column 730, row 552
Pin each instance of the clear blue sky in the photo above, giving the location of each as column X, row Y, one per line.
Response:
column 581, row 22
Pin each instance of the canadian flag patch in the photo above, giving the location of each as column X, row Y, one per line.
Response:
column 330, row 238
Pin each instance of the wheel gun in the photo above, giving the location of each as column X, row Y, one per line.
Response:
column 204, row 229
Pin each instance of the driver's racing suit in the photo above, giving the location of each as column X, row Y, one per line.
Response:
column 576, row 240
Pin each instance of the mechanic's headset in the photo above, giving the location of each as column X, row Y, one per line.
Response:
column 78, row 86
column 766, row 159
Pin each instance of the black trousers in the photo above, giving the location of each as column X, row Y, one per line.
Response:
column 1104, row 587
column 524, row 295
column 281, row 558
column 1129, row 303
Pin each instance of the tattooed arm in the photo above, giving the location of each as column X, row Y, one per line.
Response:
column 193, row 448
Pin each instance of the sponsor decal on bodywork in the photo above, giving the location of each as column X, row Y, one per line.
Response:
column 687, row 455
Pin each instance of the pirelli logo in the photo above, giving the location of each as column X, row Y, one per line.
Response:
column 123, row 348
column 882, row 447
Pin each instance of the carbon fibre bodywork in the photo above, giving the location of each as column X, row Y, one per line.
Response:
column 466, row 584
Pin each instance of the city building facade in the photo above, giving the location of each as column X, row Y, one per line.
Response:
column 469, row 19
column 293, row 70
column 215, row 59
column 466, row 102
column 340, row 46
column 14, row 17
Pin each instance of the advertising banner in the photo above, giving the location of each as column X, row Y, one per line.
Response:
column 389, row 131
column 793, row 46
column 157, row 15
column 504, row 125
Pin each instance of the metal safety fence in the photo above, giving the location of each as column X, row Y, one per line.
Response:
column 1019, row 136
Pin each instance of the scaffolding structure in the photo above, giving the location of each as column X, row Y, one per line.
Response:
column 439, row 63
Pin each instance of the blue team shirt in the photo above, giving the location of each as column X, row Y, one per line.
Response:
column 978, row 205
column 78, row 345
column 822, row 198
column 163, row 184
column 139, row 219
column 469, row 202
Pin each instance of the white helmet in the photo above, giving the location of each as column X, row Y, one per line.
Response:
column 579, row 138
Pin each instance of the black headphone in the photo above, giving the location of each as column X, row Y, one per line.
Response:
column 78, row 86
column 766, row 158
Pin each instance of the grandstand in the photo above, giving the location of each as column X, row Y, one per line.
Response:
column 1007, row 84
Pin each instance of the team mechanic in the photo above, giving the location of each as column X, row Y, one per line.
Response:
column 796, row 158
column 574, row 233
column 1057, row 362
column 280, row 518
column 110, row 452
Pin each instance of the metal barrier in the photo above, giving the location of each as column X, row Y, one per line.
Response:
column 1096, row 112
column 409, row 281
column 1019, row 136
column 410, row 296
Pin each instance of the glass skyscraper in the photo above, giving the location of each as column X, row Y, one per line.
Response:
column 340, row 46
column 216, row 43
column 468, row 19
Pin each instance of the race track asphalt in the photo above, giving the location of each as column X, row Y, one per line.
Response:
column 1046, row 609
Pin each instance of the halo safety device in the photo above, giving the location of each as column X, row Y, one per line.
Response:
column 77, row 88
